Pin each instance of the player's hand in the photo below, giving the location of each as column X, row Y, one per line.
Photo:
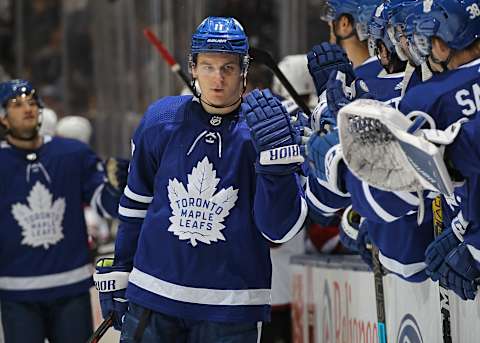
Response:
column 354, row 235
column 325, row 59
column 111, row 282
column 437, row 251
column 339, row 93
column 274, row 138
column 459, row 273
column 326, row 159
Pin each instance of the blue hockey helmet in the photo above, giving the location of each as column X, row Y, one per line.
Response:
column 220, row 34
column 378, row 39
column 456, row 22
column 359, row 10
column 377, row 30
column 14, row 88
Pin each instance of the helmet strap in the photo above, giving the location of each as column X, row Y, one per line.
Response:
column 443, row 64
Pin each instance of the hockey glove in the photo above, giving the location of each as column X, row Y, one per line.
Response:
column 354, row 235
column 325, row 158
column 339, row 94
column 459, row 273
column 322, row 118
column 275, row 140
column 111, row 282
column 437, row 251
column 325, row 59
column 116, row 170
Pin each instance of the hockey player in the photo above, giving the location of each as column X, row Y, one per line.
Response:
column 452, row 46
column 206, row 194
column 348, row 28
column 45, row 271
column 77, row 127
column 384, row 227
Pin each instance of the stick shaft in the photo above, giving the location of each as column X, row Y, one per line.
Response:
column 163, row 51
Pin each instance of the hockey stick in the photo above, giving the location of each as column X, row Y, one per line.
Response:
column 444, row 298
column 379, row 296
column 263, row 57
column 98, row 334
column 174, row 66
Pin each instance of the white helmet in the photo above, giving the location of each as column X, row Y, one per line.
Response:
column 48, row 122
column 75, row 127
column 296, row 71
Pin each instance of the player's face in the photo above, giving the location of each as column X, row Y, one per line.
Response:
column 220, row 77
column 22, row 116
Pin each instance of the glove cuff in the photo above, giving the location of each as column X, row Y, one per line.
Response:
column 110, row 282
column 282, row 155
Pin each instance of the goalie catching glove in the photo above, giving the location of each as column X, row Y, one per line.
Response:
column 111, row 282
column 274, row 138
column 380, row 146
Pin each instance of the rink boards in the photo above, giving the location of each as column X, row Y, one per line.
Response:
column 334, row 302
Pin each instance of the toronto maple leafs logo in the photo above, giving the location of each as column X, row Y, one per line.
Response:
column 41, row 219
column 197, row 211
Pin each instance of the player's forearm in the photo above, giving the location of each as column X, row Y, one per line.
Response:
column 280, row 209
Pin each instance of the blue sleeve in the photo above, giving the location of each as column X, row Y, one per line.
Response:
column 377, row 205
column 323, row 202
column 464, row 152
column 93, row 190
column 137, row 196
column 472, row 240
column 279, row 209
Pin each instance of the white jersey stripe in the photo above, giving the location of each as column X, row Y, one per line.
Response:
column 132, row 213
column 375, row 206
column 24, row 283
column 203, row 296
column 406, row 270
column 326, row 210
column 296, row 227
column 137, row 197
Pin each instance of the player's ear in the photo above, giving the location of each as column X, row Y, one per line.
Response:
column 344, row 25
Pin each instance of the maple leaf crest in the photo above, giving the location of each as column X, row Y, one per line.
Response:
column 41, row 220
column 197, row 211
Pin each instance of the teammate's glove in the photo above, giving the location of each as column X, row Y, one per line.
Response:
column 339, row 94
column 459, row 273
column 111, row 282
column 116, row 170
column 354, row 235
column 437, row 251
column 324, row 59
column 322, row 118
column 325, row 157
column 273, row 136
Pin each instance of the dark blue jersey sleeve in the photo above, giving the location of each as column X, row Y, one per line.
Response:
column 280, row 209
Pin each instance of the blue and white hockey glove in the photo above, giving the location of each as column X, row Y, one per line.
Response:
column 339, row 94
column 326, row 160
column 325, row 59
column 116, row 170
column 354, row 235
column 274, row 138
column 437, row 251
column 459, row 273
column 111, row 282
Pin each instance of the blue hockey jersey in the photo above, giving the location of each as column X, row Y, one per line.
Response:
column 43, row 237
column 448, row 97
column 196, row 219
column 391, row 217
